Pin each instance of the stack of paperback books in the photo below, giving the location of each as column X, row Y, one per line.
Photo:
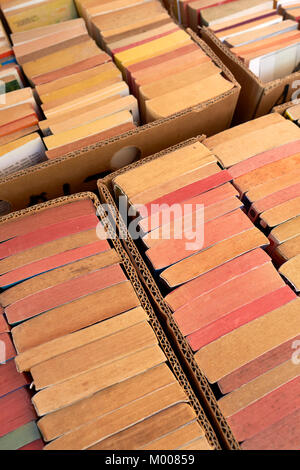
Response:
column 215, row 271
column 269, row 185
column 81, row 91
column 102, row 378
column 264, row 38
column 165, row 69
column 21, row 145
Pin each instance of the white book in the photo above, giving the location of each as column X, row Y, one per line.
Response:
column 24, row 156
column 277, row 64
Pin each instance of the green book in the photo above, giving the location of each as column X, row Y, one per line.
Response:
column 20, row 437
column 11, row 86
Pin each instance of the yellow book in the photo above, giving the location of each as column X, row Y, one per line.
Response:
column 76, row 77
column 152, row 49
column 111, row 72
column 21, row 153
column 61, row 58
column 120, row 88
column 127, row 103
column 39, row 14
column 86, row 130
column 11, row 146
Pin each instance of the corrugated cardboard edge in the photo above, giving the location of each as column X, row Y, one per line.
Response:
column 133, row 277
column 281, row 109
column 253, row 91
column 186, row 355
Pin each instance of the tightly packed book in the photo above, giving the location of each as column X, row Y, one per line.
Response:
column 11, row 78
column 265, row 41
column 103, row 379
column 290, row 9
column 269, row 185
column 195, row 13
column 229, row 301
column 21, row 145
column 292, row 111
column 165, row 69
column 25, row 16
column 85, row 101
column 81, row 91
column 18, row 429
column 7, row 60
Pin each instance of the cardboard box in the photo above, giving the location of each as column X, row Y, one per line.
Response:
column 256, row 98
column 281, row 109
column 164, row 313
column 131, row 274
column 79, row 170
